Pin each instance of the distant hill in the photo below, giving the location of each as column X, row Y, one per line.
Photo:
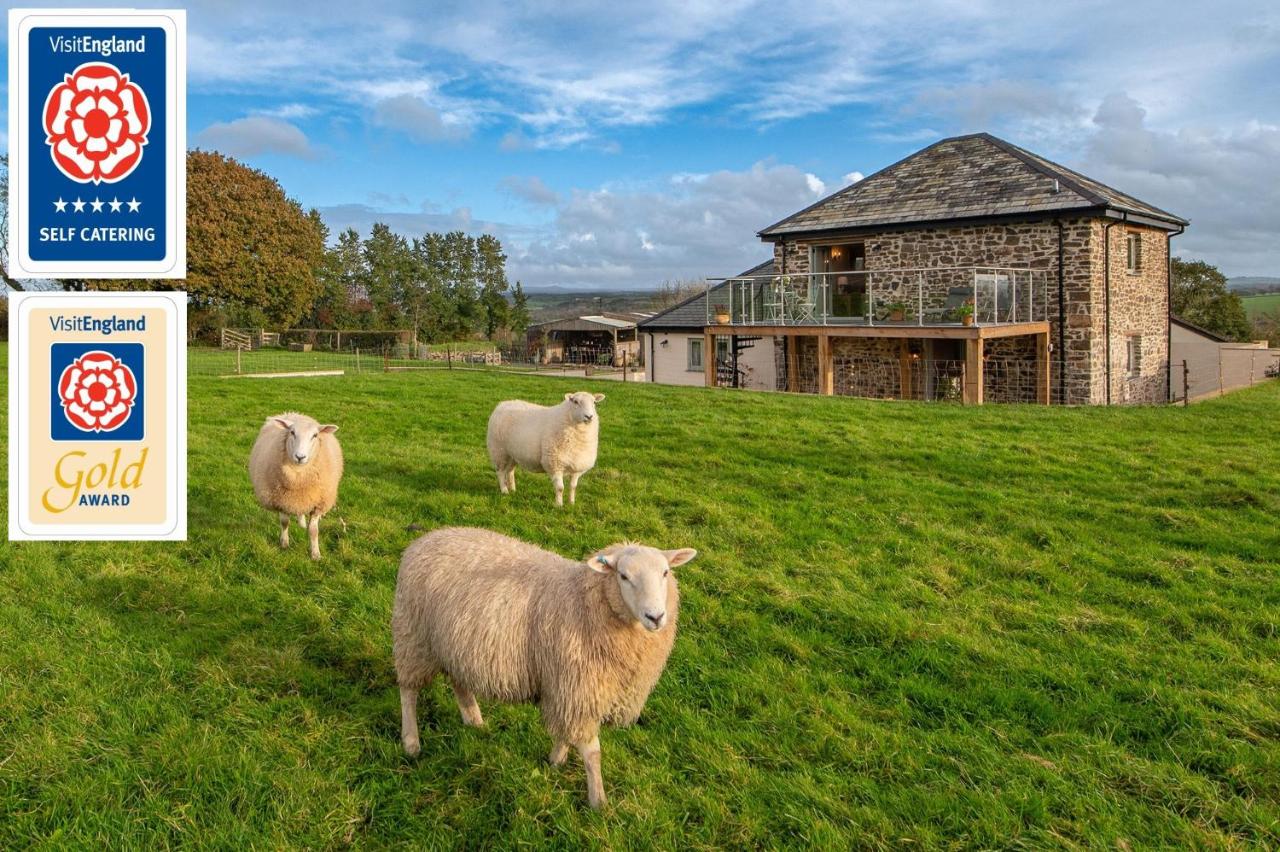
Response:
column 556, row 303
column 1254, row 283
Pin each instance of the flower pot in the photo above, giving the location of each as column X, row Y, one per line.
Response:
column 967, row 319
column 897, row 316
column 722, row 318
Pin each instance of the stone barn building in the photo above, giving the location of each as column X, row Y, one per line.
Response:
column 973, row 270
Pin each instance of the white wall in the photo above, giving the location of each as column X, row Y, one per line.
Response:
column 669, row 364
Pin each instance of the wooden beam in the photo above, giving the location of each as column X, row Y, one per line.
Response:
column 944, row 332
column 793, row 364
column 904, row 369
column 1043, row 368
column 973, row 371
column 826, row 371
column 709, row 358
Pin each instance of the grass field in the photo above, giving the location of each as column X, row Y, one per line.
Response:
column 1268, row 303
column 908, row 626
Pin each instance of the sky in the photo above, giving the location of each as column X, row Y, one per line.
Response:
column 618, row 146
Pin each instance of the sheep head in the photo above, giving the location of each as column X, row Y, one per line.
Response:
column 303, row 438
column 642, row 574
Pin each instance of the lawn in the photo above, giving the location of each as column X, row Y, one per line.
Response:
column 908, row 625
column 1267, row 303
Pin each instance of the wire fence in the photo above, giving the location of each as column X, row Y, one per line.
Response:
column 1209, row 374
column 280, row 359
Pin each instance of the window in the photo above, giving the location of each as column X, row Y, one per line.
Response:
column 1133, row 355
column 1133, row 259
column 695, row 353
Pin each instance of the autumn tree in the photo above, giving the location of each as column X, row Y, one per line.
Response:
column 252, row 252
column 1201, row 297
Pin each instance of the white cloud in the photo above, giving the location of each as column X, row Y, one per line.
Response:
column 420, row 121
column 815, row 183
column 851, row 178
column 256, row 135
column 530, row 189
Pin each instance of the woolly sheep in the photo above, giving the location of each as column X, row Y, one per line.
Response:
column 559, row 439
column 507, row 621
column 295, row 467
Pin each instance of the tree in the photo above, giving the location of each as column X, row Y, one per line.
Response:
column 671, row 293
column 491, row 271
column 252, row 253
column 518, row 317
column 1201, row 297
column 4, row 225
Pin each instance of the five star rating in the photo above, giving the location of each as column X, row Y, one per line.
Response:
column 97, row 205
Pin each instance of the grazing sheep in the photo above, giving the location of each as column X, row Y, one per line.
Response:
column 560, row 439
column 295, row 466
column 585, row 640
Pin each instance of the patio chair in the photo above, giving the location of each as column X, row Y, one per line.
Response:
column 956, row 296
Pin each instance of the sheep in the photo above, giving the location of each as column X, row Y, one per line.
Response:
column 505, row 620
column 560, row 439
column 295, row 467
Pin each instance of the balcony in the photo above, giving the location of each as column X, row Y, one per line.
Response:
column 933, row 298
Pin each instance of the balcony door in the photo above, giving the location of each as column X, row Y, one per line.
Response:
column 844, row 283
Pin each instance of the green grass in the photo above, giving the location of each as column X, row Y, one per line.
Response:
column 1267, row 303
column 908, row 625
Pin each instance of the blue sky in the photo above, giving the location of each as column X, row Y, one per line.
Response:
column 618, row 146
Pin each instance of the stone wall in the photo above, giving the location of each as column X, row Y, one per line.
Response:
column 1139, row 303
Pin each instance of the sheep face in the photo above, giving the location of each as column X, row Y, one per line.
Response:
column 642, row 574
column 303, row 440
column 582, row 405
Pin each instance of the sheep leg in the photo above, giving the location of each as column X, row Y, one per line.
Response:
column 467, row 704
column 502, row 479
column 285, row 520
column 409, row 720
column 511, row 479
column 313, row 533
column 557, row 479
column 573, row 487
column 595, row 782
column 559, row 752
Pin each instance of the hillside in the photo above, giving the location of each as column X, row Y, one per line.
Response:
column 1264, row 304
column 908, row 626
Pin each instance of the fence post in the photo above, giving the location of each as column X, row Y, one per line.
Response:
column 448, row 354
column 1252, row 358
column 624, row 366
column 357, row 359
column 238, row 350
column 386, row 359
column 1221, row 387
column 1186, row 384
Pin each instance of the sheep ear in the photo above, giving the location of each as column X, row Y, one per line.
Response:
column 282, row 423
column 329, row 429
column 679, row 557
column 568, row 397
column 599, row 397
column 602, row 563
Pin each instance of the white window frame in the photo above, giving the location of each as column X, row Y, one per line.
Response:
column 695, row 343
column 1133, row 253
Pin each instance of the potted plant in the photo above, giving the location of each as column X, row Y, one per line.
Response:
column 965, row 312
column 897, row 311
column 722, row 315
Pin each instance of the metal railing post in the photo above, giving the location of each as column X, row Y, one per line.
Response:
column 871, row 300
column 920, row 299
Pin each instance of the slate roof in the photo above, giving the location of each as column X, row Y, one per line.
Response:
column 959, row 178
column 692, row 312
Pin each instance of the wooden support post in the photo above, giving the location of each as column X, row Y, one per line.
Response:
column 1043, row 366
column 904, row 369
column 826, row 373
column 709, row 358
column 793, row 364
column 973, row 379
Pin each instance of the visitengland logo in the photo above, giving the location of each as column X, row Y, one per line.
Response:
column 96, row 122
column 97, row 391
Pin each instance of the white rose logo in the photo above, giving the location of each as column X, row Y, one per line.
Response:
column 97, row 392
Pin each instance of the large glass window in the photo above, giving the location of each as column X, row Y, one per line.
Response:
column 844, row 282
